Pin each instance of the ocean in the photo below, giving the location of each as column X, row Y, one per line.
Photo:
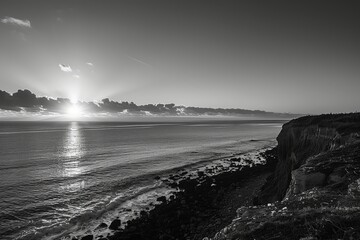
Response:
column 59, row 178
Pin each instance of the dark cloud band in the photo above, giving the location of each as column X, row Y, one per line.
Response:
column 24, row 100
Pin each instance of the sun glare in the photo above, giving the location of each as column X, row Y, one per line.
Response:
column 73, row 111
column 73, row 100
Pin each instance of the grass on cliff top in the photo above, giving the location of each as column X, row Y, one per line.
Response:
column 344, row 123
column 314, row 214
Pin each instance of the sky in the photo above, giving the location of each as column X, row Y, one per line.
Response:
column 278, row 56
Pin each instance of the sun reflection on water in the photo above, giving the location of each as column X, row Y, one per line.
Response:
column 73, row 151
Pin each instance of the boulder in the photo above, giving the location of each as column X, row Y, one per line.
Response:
column 161, row 199
column 115, row 224
column 87, row 237
column 302, row 181
column 102, row 225
column 337, row 175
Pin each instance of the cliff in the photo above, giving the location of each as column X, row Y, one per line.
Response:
column 314, row 191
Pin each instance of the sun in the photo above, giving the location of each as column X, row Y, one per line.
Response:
column 74, row 111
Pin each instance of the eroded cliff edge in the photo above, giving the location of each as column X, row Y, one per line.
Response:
column 314, row 192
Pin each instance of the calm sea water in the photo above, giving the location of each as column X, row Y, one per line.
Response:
column 58, row 177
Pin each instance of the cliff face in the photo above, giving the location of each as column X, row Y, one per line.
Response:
column 316, row 183
column 301, row 139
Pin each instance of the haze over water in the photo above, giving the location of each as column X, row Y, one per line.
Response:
column 67, row 176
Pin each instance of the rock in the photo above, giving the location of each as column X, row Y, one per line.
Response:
column 337, row 175
column 102, row 225
column 143, row 213
column 115, row 224
column 245, row 214
column 161, row 199
column 88, row 237
column 174, row 177
column 302, row 181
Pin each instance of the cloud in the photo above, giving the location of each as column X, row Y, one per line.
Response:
column 24, row 100
column 76, row 76
column 65, row 68
column 90, row 64
column 18, row 22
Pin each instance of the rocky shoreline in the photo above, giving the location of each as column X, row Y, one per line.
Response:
column 204, row 203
